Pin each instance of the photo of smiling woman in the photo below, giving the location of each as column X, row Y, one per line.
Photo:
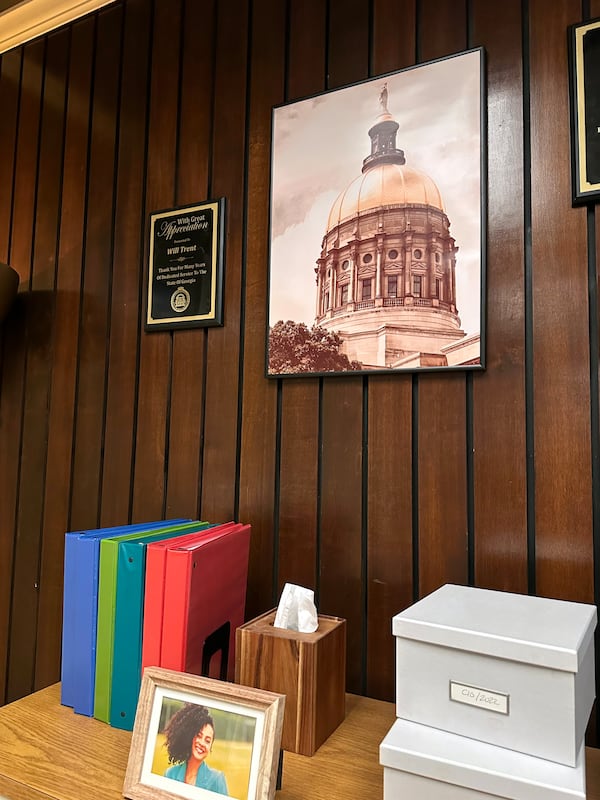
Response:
column 208, row 748
column 189, row 740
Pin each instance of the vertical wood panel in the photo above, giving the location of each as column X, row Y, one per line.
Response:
column 10, row 75
column 93, row 334
column 389, row 555
column 500, row 480
column 40, row 309
column 390, row 550
column 15, row 342
column 193, row 154
column 442, row 28
column 126, row 297
column 341, row 575
column 299, row 446
column 595, row 403
column 394, row 40
column 61, row 412
column 156, row 346
column 442, row 444
column 563, row 502
column 341, row 590
column 442, row 482
column 221, row 430
column 298, row 484
column 593, row 729
column 259, row 398
column 25, row 178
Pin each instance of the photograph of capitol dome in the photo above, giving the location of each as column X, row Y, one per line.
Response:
column 377, row 225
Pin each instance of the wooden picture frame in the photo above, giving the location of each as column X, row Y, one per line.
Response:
column 185, row 266
column 239, row 756
column 584, row 80
column 378, row 216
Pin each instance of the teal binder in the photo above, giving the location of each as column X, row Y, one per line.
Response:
column 129, row 620
column 107, row 591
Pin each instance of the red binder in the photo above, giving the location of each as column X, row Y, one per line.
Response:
column 204, row 603
column 156, row 562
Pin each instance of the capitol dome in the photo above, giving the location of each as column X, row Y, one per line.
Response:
column 385, row 185
column 386, row 274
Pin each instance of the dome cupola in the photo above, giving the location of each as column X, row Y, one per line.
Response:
column 386, row 180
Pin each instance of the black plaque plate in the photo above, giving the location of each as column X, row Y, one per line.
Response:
column 185, row 281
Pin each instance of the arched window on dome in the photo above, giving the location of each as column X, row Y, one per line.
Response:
column 417, row 285
column 366, row 288
column 392, row 286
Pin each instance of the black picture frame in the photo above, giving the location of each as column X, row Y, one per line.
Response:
column 584, row 84
column 322, row 170
column 186, row 266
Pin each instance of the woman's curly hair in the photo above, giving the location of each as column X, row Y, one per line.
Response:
column 182, row 728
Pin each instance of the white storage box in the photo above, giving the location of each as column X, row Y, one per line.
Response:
column 509, row 669
column 423, row 763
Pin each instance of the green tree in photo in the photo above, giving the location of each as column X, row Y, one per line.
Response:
column 294, row 347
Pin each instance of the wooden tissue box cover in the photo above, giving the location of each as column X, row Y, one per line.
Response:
column 309, row 668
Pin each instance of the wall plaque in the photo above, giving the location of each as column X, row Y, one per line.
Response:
column 185, row 281
column 584, row 69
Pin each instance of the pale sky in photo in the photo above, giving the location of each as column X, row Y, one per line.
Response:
column 318, row 148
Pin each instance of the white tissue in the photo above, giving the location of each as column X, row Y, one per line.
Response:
column 296, row 610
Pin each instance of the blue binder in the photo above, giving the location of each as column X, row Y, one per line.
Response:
column 80, row 609
column 129, row 622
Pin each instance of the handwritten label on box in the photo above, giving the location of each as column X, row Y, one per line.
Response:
column 480, row 698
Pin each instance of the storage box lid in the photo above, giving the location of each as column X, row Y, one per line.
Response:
column 447, row 757
column 535, row 630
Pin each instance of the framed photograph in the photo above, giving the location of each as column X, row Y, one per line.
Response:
column 185, row 280
column 199, row 738
column 584, row 78
column 378, row 225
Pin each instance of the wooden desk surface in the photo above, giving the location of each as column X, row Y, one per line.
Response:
column 49, row 753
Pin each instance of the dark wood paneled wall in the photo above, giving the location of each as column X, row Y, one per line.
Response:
column 373, row 491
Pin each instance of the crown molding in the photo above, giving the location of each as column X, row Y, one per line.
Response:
column 32, row 18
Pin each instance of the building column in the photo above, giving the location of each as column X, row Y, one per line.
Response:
column 453, row 276
column 319, row 271
column 378, row 291
column 353, row 274
column 408, row 268
column 431, row 273
column 333, row 298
